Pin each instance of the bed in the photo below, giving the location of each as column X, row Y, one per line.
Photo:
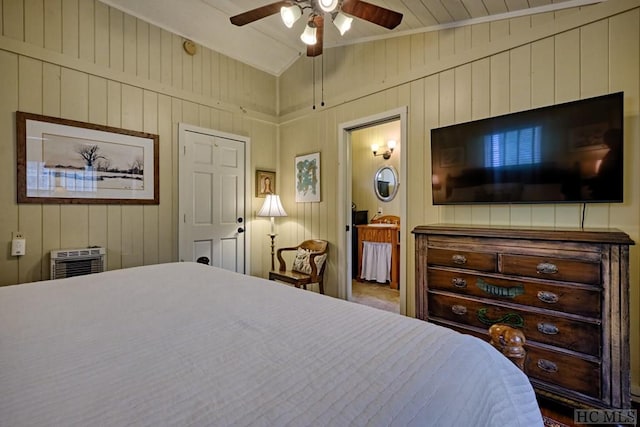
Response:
column 185, row 344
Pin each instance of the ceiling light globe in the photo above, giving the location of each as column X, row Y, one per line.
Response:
column 328, row 5
column 290, row 14
column 309, row 35
column 342, row 22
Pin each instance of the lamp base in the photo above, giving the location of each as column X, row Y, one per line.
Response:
column 273, row 245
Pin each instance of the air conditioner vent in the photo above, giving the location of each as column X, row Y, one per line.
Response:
column 77, row 262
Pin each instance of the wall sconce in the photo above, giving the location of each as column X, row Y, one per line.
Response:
column 391, row 144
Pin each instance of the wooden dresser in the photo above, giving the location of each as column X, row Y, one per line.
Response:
column 566, row 289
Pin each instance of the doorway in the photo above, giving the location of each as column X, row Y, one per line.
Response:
column 348, row 133
column 212, row 198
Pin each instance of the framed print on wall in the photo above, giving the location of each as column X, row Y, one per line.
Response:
column 265, row 183
column 308, row 178
column 66, row 161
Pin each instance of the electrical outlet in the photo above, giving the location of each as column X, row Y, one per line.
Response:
column 18, row 244
column 379, row 210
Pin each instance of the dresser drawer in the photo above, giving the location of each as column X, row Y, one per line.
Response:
column 571, row 372
column 551, row 268
column 552, row 367
column 480, row 261
column 564, row 298
column 583, row 337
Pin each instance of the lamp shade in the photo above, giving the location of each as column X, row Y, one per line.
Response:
column 290, row 14
column 309, row 34
column 272, row 207
column 342, row 22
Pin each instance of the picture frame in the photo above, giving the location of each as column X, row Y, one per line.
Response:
column 307, row 170
column 265, row 183
column 71, row 162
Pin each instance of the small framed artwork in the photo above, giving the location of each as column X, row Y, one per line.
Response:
column 308, row 177
column 66, row 161
column 265, row 183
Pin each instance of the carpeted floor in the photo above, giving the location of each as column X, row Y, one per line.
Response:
column 376, row 295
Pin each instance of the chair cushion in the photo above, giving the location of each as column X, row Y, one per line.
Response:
column 301, row 262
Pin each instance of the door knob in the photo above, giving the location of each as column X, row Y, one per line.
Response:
column 240, row 230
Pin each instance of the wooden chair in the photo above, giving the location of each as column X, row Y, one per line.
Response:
column 304, row 270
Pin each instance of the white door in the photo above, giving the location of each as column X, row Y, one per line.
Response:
column 212, row 198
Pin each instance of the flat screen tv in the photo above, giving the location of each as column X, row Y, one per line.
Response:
column 565, row 153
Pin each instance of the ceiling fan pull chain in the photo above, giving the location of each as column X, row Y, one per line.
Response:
column 313, row 77
column 322, row 83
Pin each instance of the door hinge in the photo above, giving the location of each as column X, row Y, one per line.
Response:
column 184, row 219
column 184, row 150
column 347, row 227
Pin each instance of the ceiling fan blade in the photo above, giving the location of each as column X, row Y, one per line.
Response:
column 370, row 12
column 258, row 13
column 316, row 49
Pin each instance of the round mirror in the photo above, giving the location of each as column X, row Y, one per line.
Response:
column 385, row 183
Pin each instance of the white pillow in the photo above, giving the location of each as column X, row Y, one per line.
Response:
column 301, row 262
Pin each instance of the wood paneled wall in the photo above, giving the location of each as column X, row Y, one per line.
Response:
column 82, row 60
column 462, row 74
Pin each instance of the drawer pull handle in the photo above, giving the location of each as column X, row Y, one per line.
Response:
column 547, row 366
column 459, row 282
column 548, row 297
column 548, row 328
column 547, row 268
column 459, row 309
column 511, row 319
column 459, row 259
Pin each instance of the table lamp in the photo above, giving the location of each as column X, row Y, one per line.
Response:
column 272, row 207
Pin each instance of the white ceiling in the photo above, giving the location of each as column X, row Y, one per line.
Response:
column 269, row 46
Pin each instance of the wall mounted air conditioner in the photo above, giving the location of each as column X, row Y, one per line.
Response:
column 77, row 262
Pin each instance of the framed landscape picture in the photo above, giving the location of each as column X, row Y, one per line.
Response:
column 308, row 177
column 66, row 161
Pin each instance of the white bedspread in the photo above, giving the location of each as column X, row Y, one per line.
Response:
column 190, row 345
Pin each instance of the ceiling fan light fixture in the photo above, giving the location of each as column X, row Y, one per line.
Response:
column 309, row 34
column 342, row 22
column 290, row 14
column 328, row 5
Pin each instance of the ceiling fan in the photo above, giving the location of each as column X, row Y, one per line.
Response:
column 341, row 12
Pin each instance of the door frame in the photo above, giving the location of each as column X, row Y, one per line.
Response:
column 345, row 198
column 183, row 128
